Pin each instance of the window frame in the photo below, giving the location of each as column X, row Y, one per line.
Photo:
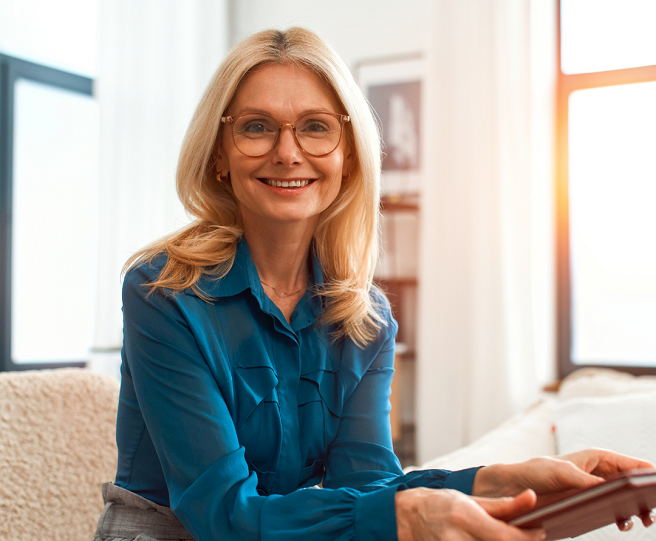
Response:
column 566, row 84
column 11, row 70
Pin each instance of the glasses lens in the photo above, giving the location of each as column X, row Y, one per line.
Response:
column 255, row 135
column 318, row 133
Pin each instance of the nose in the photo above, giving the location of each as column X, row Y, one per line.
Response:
column 286, row 150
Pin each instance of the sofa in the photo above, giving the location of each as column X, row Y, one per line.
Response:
column 57, row 443
column 57, row 446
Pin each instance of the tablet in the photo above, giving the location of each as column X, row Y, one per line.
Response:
column 629, row 493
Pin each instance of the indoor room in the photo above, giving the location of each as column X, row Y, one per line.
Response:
column 516, row 221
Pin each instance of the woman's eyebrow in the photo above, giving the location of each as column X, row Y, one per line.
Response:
column 255, row 111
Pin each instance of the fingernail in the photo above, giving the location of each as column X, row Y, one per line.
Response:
column 625, row 525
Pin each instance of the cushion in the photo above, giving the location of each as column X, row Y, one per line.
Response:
column 603, row 382
column 525, row 435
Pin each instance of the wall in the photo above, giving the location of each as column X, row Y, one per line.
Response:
column 356, row 29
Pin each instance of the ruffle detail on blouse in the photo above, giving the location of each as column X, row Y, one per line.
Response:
column 254, row 380
column 322, row 385
column 321, row 380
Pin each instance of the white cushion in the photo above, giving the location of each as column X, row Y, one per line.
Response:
column 603, row 382
column 526, row 435
column 621, row 422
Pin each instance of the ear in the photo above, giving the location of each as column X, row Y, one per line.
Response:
column 349, row 164
column 220, row 160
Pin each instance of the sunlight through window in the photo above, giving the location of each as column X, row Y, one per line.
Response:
column 612, row 209
column 598, row 35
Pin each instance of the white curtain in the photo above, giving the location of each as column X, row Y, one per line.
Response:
column 156, row 58
column 486, row 333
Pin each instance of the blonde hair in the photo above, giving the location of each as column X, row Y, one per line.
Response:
column 346, row 237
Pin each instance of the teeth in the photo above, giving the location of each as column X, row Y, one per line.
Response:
column 287, row 183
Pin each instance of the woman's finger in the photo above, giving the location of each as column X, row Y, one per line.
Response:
column 648, row 518
column 508, row 508
column 605, row 463
column 625, row 524
column 484, row 524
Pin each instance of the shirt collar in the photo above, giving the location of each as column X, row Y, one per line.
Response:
column 243, row 275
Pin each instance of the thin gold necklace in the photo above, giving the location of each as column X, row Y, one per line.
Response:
column 285, row 295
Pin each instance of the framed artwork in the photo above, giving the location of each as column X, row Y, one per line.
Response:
column 394, row 87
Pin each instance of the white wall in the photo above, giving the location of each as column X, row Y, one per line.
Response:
column 357, row 29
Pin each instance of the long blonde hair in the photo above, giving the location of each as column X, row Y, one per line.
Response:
column 346, row 237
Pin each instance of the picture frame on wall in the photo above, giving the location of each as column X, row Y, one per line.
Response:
column 394, row 87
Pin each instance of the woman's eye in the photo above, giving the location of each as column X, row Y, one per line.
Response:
column 255, row 127
column 315, row 126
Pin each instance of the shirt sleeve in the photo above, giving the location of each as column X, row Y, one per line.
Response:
column 211, row 489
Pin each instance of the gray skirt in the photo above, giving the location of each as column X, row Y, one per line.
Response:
column 129, row 517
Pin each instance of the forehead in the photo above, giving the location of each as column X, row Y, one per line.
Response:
column 284, row 91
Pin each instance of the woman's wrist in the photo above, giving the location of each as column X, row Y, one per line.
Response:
column 403, row 505
column 406, row 503
column 494, row 482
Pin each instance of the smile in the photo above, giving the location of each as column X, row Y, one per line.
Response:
column 286, row 183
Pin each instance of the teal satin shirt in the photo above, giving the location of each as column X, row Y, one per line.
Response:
column 231, row 415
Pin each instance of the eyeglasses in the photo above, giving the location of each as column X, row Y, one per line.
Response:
column 317, row 134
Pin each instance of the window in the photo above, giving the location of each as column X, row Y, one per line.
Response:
column 48, row 204
column 606, row 186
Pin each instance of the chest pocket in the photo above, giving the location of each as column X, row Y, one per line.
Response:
column 319, row 414
column 257, row 415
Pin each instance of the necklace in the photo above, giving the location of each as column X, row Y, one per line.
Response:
column 284, row 295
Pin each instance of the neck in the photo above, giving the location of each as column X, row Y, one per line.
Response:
column 280, row 253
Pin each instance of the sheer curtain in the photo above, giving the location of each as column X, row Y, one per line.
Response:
column 156, row 58
column 486, row 342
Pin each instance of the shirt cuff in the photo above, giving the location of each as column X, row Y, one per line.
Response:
column 462, row 480
column 375, row 515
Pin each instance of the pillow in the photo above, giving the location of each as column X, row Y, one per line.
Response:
column 603, row 382
column 623, row 423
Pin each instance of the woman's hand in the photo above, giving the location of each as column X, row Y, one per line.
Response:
column 424, row 514
column 553, row 478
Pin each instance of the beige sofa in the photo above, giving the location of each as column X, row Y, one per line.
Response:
column 57, row 445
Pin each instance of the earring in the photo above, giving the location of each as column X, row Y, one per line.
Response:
column 222, row 178
column 347, row 178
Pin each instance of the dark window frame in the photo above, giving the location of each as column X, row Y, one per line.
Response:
column 566, row 84
column 11, row 70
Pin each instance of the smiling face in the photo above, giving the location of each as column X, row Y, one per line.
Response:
column 285, row 93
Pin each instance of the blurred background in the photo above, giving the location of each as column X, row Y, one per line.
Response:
column 519, row 229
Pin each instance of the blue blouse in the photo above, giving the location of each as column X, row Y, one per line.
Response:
column 231, row 415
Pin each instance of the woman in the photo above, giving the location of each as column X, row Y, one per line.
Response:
column 257, row 357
